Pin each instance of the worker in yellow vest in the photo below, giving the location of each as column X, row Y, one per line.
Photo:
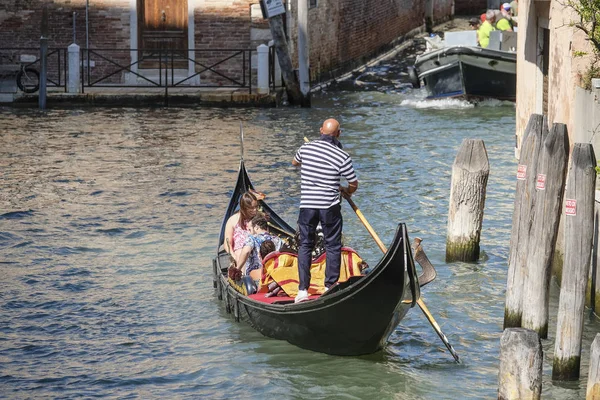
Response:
column 483, row 33
column 504, row 22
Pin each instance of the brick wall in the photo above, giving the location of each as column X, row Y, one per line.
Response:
column 20, row 27
column 442, row 10
column 470, row 7
column 343, row 33
column 346, row 33
column 224, row 24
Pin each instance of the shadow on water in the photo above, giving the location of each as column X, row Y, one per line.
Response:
column 109, row 221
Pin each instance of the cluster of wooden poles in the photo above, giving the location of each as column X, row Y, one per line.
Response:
column 547, row 187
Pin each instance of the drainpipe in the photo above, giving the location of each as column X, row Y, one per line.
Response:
column 303, row 52
column 87, row 31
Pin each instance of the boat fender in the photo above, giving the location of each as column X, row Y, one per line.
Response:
column 249, row 284
column 413, row 77
column 215, row 276
column 236, row 310
column 227, row 302
column 219, row 290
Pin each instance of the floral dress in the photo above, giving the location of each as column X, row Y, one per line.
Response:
column 254, row 261
column 240, row 235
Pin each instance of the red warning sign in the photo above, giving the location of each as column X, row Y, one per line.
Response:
column 571, row 207
column 540, row 184
column 521, row 172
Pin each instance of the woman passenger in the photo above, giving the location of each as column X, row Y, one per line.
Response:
column 237, row 229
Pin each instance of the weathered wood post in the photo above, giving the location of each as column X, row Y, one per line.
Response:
column 521, row 359
column 43, row 60
column 522, row 219
column 549, row 189
column 303, row 52
column 594, row 281
column 285, row 61
column 593, row 385
column 579, row 229
column 470, row 173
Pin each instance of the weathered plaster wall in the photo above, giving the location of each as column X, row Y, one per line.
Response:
column 527, row 68
column 564, row 76
column 565, row 69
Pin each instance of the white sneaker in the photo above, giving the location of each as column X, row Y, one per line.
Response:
column 301, row 296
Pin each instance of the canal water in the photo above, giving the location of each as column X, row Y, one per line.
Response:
column 109, row 220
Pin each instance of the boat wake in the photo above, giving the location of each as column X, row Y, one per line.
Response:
column 454, row 104
column 441, row 104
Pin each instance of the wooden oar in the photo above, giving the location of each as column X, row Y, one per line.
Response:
column 420, row 302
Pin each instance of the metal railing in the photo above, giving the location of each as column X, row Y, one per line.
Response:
column 217, row 67
column 12, row 60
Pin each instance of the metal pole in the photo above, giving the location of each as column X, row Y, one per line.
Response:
column 43, row 61
column 74, row 27
column 303, row 53
column 87, row 31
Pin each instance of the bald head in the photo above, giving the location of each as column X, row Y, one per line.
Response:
column 331, row 127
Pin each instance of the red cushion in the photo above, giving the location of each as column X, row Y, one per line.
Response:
column 276, row 299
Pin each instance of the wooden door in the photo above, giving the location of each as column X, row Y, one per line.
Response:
column 162, row 25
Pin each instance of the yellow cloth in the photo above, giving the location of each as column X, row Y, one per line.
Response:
column 283, row 269
column 503, row 25
column 483, row 33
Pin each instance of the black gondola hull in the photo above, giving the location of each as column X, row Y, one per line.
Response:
column 357, row 318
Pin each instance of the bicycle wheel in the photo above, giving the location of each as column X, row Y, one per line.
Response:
column 28, row 80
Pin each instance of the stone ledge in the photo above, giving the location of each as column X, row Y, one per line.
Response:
column 138, row 98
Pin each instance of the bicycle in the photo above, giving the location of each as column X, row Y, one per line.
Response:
column 27, row 77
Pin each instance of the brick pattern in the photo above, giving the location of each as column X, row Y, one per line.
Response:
column 343, row 33
column 20, row 27
column 221, row 24
column 470, row 7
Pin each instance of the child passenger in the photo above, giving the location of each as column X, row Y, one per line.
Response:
column 250, row 259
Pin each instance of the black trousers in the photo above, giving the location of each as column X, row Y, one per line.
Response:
column 331, row 222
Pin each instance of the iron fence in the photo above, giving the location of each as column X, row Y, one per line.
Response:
column 13, row 60
column 167, row 68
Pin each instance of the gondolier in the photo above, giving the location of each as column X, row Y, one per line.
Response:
column 323, row 163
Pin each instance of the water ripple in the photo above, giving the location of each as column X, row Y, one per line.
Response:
column 110, row 223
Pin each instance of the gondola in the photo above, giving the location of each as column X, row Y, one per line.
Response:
column 354, row 318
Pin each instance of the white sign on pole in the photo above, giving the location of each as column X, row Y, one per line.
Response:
column 273, row 7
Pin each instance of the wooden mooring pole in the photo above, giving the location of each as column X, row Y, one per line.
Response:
column 295, row 96
column 43, row 60
column 593, row 385
column 579, row 230
column 594, row 282
column 470, row 173
column 522, row 219
column 549, row 188
column 521, row 359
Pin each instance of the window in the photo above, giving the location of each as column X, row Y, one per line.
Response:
column 312, row 3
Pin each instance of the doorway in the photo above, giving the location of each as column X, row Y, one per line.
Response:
column 543, row 66
column 162, row 26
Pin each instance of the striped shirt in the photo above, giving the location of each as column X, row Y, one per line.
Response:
column 322, row 166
